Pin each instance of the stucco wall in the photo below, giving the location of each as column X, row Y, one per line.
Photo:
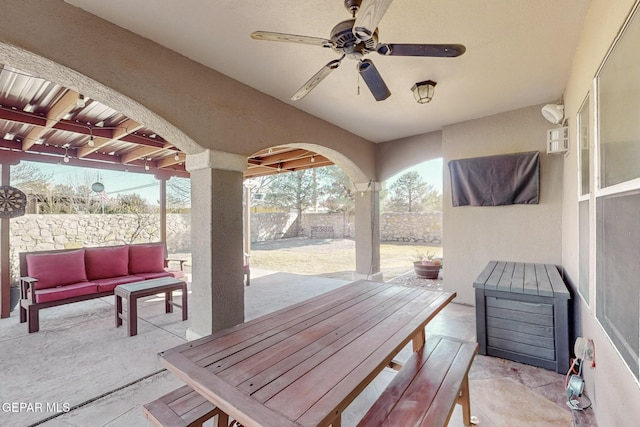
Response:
column 611, row 386
column 146, row 82
column 395, row 156
column 477, row 235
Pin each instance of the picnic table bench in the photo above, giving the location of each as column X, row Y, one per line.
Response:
column 427, row 388
column 183, row 407
column 304, row 364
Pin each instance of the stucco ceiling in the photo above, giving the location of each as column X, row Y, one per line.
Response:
column 519, row 53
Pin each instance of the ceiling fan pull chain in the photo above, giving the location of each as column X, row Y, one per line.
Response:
column 358, row 85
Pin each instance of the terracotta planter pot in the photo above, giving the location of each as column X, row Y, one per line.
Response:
column 426, row 271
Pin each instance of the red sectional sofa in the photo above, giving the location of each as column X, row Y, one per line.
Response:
column 51, row 278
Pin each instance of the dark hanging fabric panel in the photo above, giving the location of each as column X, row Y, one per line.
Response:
column 496, row 180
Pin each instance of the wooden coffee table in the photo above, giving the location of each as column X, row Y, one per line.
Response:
column 132, row 291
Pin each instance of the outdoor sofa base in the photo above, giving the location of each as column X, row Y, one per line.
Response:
column 53, row 278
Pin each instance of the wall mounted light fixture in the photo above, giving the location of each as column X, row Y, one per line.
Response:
column 423, row 91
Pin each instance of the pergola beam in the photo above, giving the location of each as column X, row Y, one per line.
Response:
column 63, row 106
column 121, row 131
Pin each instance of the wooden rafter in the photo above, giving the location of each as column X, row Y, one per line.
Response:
column 62, row 107
column 55, row 131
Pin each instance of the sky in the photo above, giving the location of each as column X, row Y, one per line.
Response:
column 149, row 188
column 115, row 183
column 430, row 171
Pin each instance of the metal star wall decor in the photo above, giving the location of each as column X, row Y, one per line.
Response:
column 12, row 202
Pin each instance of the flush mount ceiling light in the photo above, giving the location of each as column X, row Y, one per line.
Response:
column 423, row 91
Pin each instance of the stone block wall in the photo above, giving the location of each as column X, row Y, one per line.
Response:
column 343, row 224
column 270, row 226
column 49, row 232
column 418, row 227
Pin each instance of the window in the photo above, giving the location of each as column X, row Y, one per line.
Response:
column 618, row 277
column 619, row 109
column 584, row 143
column 617, row 196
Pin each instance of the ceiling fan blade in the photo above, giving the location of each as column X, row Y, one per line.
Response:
column 437, row 50
column 368, row 18
column 316, row 79
column 373, row 79
column 291, row 38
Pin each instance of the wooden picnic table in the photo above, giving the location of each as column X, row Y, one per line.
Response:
column 304, row 364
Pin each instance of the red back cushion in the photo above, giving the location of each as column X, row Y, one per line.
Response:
column 57, row 269
column 146, row 258
column 106, row 262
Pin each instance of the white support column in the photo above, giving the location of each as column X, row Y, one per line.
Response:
column 217, row 299
column 368, row 231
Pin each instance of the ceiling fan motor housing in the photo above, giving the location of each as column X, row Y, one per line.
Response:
column 345, row 42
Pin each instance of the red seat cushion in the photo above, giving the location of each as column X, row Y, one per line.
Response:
column 148, row 276
column 108, row 284
column 106, row 262
column 66, row 291
column 178, row 274
column 148, row 258
column 57, row 269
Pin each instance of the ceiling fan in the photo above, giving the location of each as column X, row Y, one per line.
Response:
column 355, row 38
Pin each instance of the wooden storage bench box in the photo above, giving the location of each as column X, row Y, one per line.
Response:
column 522, row 314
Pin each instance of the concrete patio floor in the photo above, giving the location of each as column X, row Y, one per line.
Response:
column 80, row 370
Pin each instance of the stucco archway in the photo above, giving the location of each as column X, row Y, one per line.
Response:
column 220, row 185
column 60, row 74
column 367, row 236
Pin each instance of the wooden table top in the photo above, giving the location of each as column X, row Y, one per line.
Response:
column 304, row 364
column 159, row 285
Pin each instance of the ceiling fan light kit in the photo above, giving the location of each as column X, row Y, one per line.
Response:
column 423, row 91
column 357, row 37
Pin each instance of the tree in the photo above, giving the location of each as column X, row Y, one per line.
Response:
column 291, row 190
column 178, row 195
column 339, row 191
column 432, row 199
column 29, row 178
column 132, row 203
column 410, row 193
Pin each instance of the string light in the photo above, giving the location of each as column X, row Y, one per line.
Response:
column 91, row 143
column 146, row 165
column 313, row 159
column 176, row 157
column 66, row 155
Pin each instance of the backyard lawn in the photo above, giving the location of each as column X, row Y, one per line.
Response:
column 333, row 257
